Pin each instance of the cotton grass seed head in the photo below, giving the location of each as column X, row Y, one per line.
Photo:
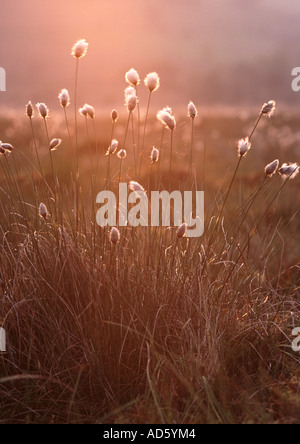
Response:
column 167, row 109
column 113, row 147
column 192, row 110
column 43, row 212
column 114, row 115
column 79, row 50
column 90, row 110
column 83, row 111
column 152, row 81
column 29, row 110
column 166, row 119
column 289, row 170
column 129, row 91
column 54, row 144
column 132, row 77
column 181, row 232
column 5, row 148
column 114, row 236
column 135, row 186
column 43, row 110
column 243, row 147
column 154, row 155
column 122, row 154
column 272, row 168
column 131, row 101
column 64, row 98
column 268, row 108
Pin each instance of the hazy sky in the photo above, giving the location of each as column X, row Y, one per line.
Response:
column 210, row 51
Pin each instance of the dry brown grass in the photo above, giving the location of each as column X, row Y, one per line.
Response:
column 150, row 330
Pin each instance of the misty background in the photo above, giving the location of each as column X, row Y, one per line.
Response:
column 214, row 52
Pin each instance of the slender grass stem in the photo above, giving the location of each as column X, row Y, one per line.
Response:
column 160, row 157
column 133, row 145
column 192, row 148
column 144, row 133
column 171, row 159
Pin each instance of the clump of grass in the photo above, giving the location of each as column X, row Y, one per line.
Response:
column 146, row 325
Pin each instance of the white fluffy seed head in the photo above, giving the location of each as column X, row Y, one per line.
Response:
column 131, row 102
column 113, row 147
column 129, row 91
column 90, row 110
column 122, row 154
column 268, row 108
column 43, row 110
column 83, row 111
column 166, row 119
column 272, row 168
column 132, row 77
column 289, row 170
column 167, row 109
column 29, row 110
column 54, row 144
column 135, row 186
column 192, row 110
column 152, row 81
column 64, row 98
column 114, row 236
column 181, row 232
column 243, row 147
column 154, row 155
column 80, row 49
column 43, row 212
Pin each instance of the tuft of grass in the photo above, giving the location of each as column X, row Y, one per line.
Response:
column 147, row 326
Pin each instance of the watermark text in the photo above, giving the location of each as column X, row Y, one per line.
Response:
column 2, row 340
column 159, row 209
column 296, row 342
column 2, row 80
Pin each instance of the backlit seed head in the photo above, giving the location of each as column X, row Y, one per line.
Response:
column 166, row 119
column 167, row 109
column 114, row 115
column 181, row 232
column 122, row 154
column 83, row 111
column 114, row 236
column 152, row 81
column 43, row 212
column 131, row 101
column 132, row 77
column 113, row 147
column 243, row 147
column 64, row 98
column 90, row 110
column 192, row 110
column 289, row 170
column 29, row 110
column 154, row 155
column 272, row 168
column 268, row 108
column 54, row 144
column 80, row 49
column 7, row 147
column 135, row 186
column 129, row 91
column 43, row 110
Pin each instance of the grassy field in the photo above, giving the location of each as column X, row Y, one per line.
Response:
column 153, row 328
